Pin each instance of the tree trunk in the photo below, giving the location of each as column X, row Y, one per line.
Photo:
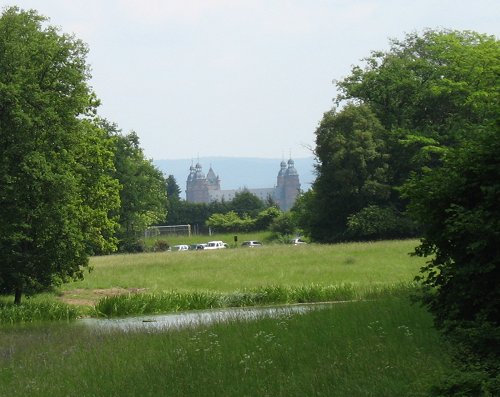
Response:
column 17, row 295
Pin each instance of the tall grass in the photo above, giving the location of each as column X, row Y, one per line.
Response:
column 371, row 348
column 36, row 310
column 139, row 304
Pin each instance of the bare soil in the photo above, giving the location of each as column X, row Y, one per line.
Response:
column 84, row 297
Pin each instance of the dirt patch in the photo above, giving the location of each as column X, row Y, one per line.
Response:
column 85, row 297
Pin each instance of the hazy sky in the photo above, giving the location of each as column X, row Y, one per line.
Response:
column 241, row 78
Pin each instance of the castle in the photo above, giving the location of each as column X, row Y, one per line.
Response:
column 205, row 189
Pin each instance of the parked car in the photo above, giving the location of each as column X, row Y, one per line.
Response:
column 180, row 247
column 215, row 245
column 197, row 247
column 251, row 244
column 297, row 241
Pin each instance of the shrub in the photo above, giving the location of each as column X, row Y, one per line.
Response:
column 160, row 245
column 377, row 223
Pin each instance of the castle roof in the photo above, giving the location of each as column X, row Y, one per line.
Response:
column 211, row 177
column 291, row 168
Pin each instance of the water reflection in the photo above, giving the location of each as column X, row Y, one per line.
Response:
column 192, row 319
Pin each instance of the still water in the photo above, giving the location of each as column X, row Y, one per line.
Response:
column 193, row 319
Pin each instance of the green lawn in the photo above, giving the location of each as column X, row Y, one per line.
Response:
column 382, row 263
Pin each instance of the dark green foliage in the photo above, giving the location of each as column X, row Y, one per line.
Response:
column 173, row 189
column 433, row 85
column 247, row 203
column 457, row 206
column 429, row 92
column 56, row 188
column 379, row 223
column 352, row 170
column 143, row 194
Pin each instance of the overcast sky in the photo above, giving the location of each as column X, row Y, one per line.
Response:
column 239, row 78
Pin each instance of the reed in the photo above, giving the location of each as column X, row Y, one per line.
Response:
column 174, row 301
column 33, row 311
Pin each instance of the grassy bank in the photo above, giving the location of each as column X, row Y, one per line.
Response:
column 382, row 348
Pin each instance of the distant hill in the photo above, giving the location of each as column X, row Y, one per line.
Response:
column 236, row 172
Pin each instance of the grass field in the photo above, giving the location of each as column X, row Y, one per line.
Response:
column 384, row 346
column 376, row 348
column 358, row 264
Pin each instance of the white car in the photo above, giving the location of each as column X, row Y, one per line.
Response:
column 215, row 245
column 297, row 241
column 181, row 247
column 251, row 244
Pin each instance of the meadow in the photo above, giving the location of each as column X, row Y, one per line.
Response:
column 360, row 265
column 383, row 346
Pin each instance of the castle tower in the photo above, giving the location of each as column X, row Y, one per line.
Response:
column 279, row 193
column 291, row 186
column 196, row 185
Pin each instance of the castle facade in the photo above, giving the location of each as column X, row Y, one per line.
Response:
column 205, row 189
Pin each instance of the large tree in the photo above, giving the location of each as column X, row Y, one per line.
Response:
column 56, row 188
column 351, row 170
column 427, row 93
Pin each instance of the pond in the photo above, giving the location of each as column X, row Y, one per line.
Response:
column 194, row 318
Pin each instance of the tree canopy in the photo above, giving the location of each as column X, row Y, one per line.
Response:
column 352, row 169
column 57, row 193
column 428, row 93
column 143, row 189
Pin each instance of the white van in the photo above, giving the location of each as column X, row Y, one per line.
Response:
column 215, row 245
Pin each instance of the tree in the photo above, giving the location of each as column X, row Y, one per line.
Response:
column 457, row 206
column 56, row 188
column 284, row 225
column 266, row 217
column 351, row 169
column 143, row 193
column 379, row 223
column 429, row 91
column 230, row 222
column 173, row 189
column 245, row 202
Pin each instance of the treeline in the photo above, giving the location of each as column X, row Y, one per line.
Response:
column 244, row 213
